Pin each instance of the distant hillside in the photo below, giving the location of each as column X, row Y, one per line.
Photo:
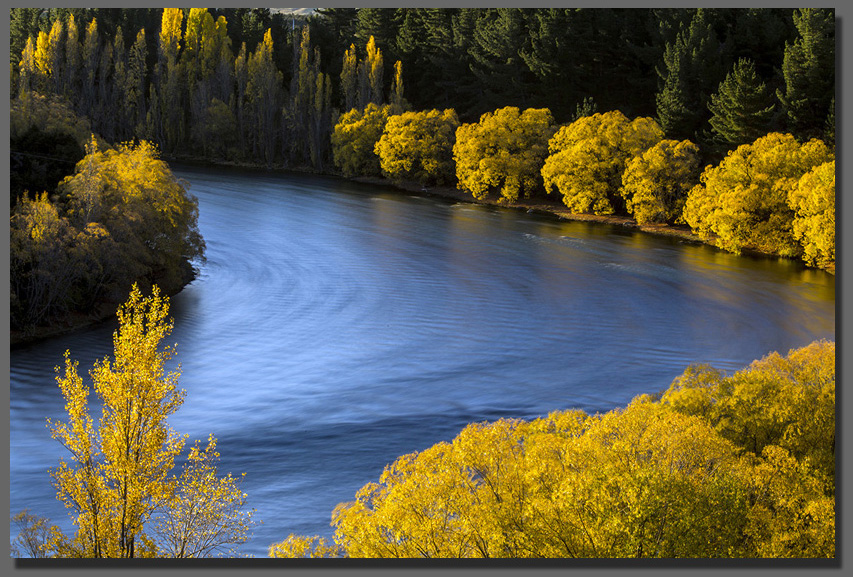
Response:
column 296, row 11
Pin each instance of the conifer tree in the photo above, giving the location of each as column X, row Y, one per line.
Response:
column 690, row 72
column 809, row 70
column 742, row 108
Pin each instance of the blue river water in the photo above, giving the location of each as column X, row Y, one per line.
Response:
column 337, row 325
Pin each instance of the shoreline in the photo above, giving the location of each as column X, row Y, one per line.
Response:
column 75, row 320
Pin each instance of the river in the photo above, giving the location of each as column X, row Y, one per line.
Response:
column 337, row 325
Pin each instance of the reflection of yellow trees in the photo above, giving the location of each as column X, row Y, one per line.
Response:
column 743, row 201
column 716, row 466
column 503, row 152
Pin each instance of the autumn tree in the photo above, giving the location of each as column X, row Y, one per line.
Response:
column 655, row 183
column 143, row 209
column 784, row 401
column 370, row 73
column 263, row 98
column 743, row 201
column 813, row 201
column 354, row 140
column 42, row 269
column 349, row 79
column 713, row 467
column 419, row 146
column 587, row 159
column 503, row 152
column 119, row 478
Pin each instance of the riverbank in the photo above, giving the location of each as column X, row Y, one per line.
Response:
column 553, row 207
column 103, row 311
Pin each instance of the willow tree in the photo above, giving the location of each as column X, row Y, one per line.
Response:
column 419, row 146
column 813, row 201
column 743, row 201
column 503, row 152
column 587, row 159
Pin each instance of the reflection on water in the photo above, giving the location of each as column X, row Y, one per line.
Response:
column 336, row 326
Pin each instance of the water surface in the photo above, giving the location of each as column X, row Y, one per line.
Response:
column 336, row 326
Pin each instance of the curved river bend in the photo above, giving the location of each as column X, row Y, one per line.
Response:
column 336, row 326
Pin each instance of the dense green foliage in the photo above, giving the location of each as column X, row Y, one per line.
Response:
column 135, row 77
column 742, row 108
column 716, row 466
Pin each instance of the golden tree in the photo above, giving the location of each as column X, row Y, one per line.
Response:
column 743, row 201
column 419, row 146
column 355, row 137
column 503, row 152
column 119, row 476
column 655, row 184
column 813, row 201
column 588, row 156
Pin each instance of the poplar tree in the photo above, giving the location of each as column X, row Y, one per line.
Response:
column 56, row 43
column 118, row 482
column 135, row 80
column 90, row 59
column 73, row 59
column 349, row 79
column 263, row 90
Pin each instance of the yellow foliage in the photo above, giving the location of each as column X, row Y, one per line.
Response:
column 119, row 475
column 655, row 184
column 418, row 146
column 675, row 477
column 134, row 195
column 587, row 158
column 296, row 547
column 743, row 201
column 354, row 140
column 503, row 152
column 813, row 201
column 786, row 401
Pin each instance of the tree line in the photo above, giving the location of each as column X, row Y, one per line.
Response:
column 349, row 91
column 243, row 83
